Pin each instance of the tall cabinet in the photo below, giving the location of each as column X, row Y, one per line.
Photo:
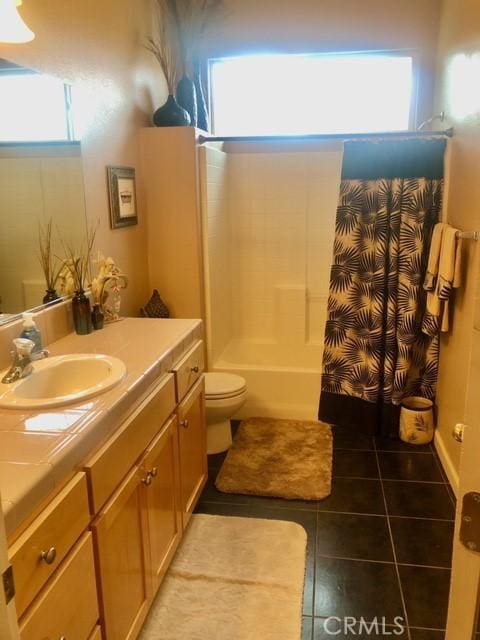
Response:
column 170, row 174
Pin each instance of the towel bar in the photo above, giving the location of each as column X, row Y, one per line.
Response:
column 469, row 235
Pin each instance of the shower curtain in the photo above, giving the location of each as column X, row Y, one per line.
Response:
column 375, row 352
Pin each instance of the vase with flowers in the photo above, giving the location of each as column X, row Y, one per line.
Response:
column 165, row 49
column 183, row 26
column 106, row 289
column 76, row 275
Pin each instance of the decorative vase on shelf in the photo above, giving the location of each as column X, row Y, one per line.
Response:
column 171, row 115
column 187, row 98
column 82, row 315
column 203, row 121
column 50, row 296
column 111, row 296
column 97, row 317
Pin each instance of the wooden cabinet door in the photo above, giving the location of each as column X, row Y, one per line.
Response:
column 68, row 606
column 163, row 512
column 193, row 448
column 120, row 534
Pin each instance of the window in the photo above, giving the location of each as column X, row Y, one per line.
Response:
column 305, row 94
column 33, row 107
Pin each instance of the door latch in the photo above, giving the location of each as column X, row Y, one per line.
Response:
column 8, row 584
column 458, row 431
column 470, row 525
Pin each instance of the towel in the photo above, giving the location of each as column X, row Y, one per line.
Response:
column 443, row 276
column 434, row 257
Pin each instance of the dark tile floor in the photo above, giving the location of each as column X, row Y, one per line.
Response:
column 379, row 547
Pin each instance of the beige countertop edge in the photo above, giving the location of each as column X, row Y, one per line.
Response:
column 48, row 447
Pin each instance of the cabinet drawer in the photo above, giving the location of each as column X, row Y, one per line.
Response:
column 114, row 460
column 189, row 370
column 55, row 531
column 67, row 607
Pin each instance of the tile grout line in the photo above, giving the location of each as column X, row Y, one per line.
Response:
column 400, row 564
column 314, row 587
column 393, row 549
column 392, row 479
column 401, row 452
column 318, row 510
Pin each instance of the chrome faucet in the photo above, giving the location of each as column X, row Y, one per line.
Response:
column 22, row 360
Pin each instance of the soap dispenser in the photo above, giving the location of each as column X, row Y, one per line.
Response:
column 31, row 332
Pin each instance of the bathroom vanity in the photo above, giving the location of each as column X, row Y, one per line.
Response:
column 96, row 509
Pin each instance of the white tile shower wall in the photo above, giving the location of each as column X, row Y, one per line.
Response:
column 282, row 219
column 213, row 164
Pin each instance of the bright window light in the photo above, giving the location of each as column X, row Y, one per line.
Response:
column 305, row 94
column 33, row 108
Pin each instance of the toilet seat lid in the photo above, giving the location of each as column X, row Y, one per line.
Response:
column 223, row 384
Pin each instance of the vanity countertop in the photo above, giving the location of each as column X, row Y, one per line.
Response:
column 40, row 450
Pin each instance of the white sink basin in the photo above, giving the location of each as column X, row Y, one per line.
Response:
column 62, row 380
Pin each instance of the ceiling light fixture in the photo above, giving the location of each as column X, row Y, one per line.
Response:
column 12, row 27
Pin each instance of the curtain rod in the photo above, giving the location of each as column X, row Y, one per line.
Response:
column 447, row 133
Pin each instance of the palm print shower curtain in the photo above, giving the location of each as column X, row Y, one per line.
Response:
column 375, row 352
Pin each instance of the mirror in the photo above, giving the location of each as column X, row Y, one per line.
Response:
column 41, row 179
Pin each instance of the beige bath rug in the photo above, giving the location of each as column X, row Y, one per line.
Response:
column 283, row 458
column 226, row 582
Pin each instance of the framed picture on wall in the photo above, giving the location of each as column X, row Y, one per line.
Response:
column 122, row 196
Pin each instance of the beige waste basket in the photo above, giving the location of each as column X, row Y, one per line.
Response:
column 416, row 420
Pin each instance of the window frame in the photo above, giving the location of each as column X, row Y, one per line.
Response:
column 69, row 123
column 405, row 53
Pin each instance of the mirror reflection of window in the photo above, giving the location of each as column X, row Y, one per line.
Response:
column 34, row 107
column 41, row 181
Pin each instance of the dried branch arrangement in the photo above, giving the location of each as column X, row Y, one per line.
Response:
column 78, row 262
column 51, row 265
column 182, row 29
column 165, row 47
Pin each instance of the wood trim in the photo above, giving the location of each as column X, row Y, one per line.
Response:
column 107, row 468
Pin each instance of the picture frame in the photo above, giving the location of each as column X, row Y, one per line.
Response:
column 122, row 193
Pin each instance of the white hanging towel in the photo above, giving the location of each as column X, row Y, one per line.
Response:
column 443, row 276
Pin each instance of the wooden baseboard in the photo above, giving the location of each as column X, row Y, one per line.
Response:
column 447, row 464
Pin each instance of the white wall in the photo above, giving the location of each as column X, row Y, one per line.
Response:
column 457, row 94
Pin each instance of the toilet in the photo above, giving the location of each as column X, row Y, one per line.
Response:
column 225, row 393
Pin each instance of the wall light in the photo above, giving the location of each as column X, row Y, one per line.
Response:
column 463, row 85
column 12, row 28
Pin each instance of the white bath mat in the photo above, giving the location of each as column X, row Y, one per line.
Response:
column 232, row 579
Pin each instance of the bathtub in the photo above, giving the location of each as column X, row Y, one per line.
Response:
column 283, row 381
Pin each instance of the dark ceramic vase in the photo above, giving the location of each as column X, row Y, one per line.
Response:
column 171, row 114
column 97, row 317
column 203, row 121
column 82, row 315
column 50, row 296
column 187, row 98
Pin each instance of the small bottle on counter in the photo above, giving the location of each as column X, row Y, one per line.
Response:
column 31, row 332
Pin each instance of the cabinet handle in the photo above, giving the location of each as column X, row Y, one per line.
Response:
column 195, row 369
column 153, row 472
column 147, row 481
column 184, row 424
column 63, row 638
column 49, row 556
